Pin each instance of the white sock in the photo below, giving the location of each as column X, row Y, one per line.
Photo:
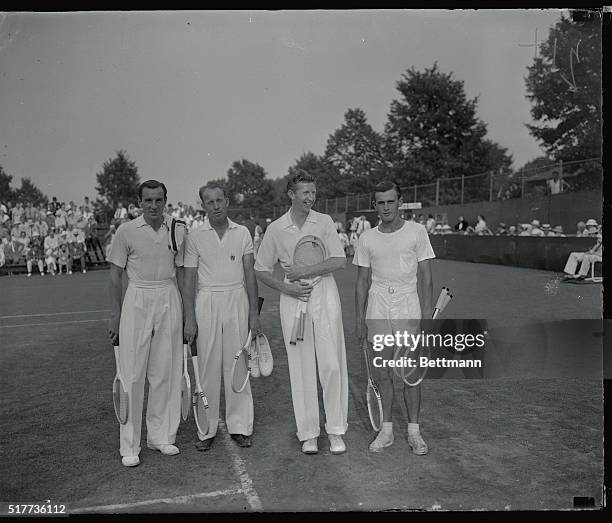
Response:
column 413, row 428
column 387, row 427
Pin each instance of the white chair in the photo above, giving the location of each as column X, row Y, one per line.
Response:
column 593, row 278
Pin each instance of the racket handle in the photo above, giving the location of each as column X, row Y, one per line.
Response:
column 296, row 324
column 116, row 350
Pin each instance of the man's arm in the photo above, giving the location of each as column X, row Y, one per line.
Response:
column 187, row 288
column 248, row 261
column 361, row 299
column 299, row 290
column 425, row 288
column 325, row 267
column 116, row 289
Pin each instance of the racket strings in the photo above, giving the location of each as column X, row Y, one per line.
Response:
column 308, row 253
column 241, row 370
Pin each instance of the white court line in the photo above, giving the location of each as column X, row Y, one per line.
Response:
column 51, row 323
column 179, row 500
column 240, row 468
column 51, row 314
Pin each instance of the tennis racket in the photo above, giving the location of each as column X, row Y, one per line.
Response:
column 199, row 401
column 413, row 376
column 185, row 386
column 309, row 250
column 121, row 398
column 241, row 367
column 375, row 409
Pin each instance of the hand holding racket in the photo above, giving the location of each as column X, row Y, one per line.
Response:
column 412, row 376
column 309, row 250
column 200, row 403
column 121, row 398
column 375, row 408
column 185, row 386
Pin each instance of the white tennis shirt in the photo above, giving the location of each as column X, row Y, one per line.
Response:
column 394, row 256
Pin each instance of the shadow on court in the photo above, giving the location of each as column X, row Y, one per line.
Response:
column 523, row 440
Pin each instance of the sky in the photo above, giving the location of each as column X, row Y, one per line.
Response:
column 187, row 93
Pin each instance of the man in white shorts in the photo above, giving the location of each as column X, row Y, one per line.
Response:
column 323, row 320
column 148, row 323
column 395, row 255
column 219, row 254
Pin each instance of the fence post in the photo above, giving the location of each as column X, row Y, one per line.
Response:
column 346, row 203
column 437, row 191
column 357, row 202
column 491, row 186
column 415, row 193
column 522, row 184
column 326, row 205
column 462, row 184
column 561, row 174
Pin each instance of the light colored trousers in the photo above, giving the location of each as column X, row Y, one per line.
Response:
column 151, row 346
column 584, row 259
column 323, row 348
column 223, row 325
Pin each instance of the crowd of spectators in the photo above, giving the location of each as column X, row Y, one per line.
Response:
column 52, row 237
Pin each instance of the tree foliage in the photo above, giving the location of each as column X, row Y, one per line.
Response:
column 433, row 131
column 247, row 185
column 564, row 87
column 118, row 181
column 6, row 191
column 29, row 193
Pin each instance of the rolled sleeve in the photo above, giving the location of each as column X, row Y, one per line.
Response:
column 190, row 257
column 332, row 240
column 247, row 242
column 362, row 256
column 424, row 250
column 267, row 253
column 119, row 248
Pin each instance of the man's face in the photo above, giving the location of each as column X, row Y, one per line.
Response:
column 215, row 204
column 304, row 196
column 387, row 205
column 152, row 203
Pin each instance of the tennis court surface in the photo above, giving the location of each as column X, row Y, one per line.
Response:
column 520, row 442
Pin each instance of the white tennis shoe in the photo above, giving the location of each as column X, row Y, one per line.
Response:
column 336, row 444
column 166, row 450
column 255, row 371
column 417, row 444
column 382, row 441
column 130, row 461
column 266, row 362
column 310, row 446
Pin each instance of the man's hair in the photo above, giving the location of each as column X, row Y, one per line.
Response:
column 152, row 184
column 210, row 186
column 387, row 185
column 299, row 176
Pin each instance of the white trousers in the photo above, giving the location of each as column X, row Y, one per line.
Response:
column 223, row 326
column 151, row 346
column 323, row 349
column 391, row 309
column 585, row 259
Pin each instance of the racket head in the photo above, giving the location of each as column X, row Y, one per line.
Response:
column 200, row 412
column 375, row 410
column 309, row 250
column 413, row 376
column 241, row 369
column 120, row 395
column 185, row 397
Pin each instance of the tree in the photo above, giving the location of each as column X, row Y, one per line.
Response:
column 117, row 182
column 6, row 191
column 247, row 185
column 28, row 192
column 564, row 86
column 355, row 149
column 325, row 173
column 433, row 131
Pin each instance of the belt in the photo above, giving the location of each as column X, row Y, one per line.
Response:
column 220, row 288
column 152, row 284
column 383, row 286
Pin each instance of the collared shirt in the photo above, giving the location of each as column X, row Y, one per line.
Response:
column 145, row 253
column 394, row 256
column 219, row 260
column 282, row 235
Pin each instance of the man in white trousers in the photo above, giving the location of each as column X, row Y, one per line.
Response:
column 395, row 256
column 219, row 255
column 148, row 325
column 323, row 346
